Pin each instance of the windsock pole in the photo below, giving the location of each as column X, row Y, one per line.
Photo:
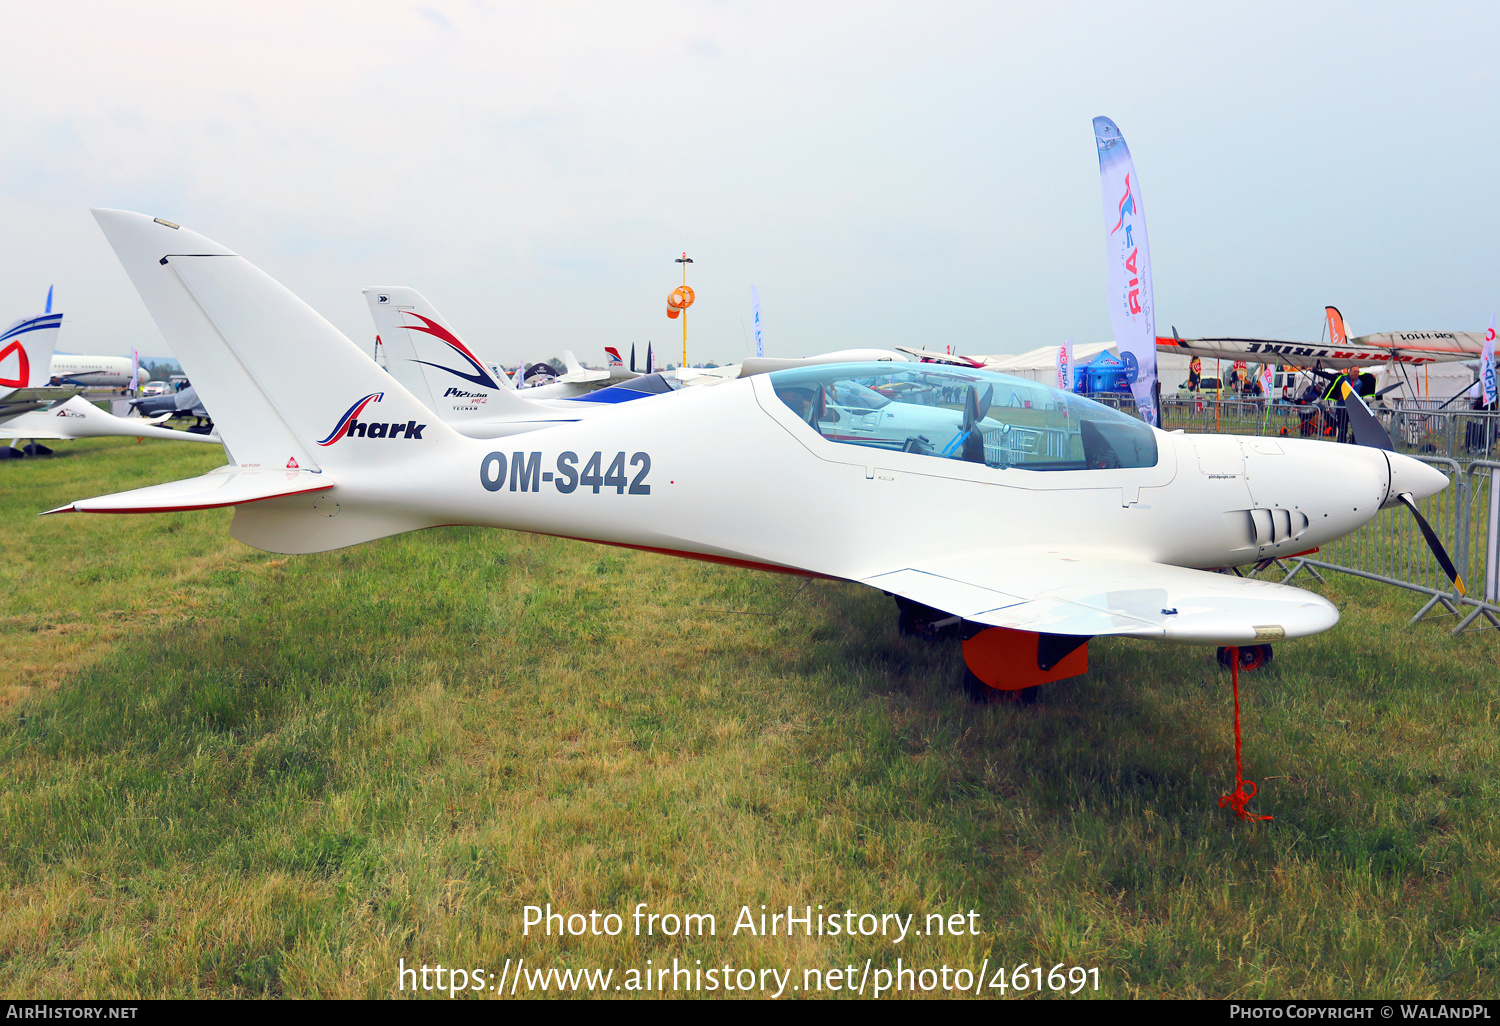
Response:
column 684, row 260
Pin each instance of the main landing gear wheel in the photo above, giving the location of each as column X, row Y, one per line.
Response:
column 982, row 694
column 1252, row 657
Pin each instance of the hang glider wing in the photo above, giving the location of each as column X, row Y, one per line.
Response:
column 79, row 418
column 1408, row 347
column 24, row 400
column 1082, row 594
column 226, row 486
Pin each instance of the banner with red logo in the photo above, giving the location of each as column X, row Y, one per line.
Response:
column 1065, row 366
column 1487, row 364
column 1132, row 311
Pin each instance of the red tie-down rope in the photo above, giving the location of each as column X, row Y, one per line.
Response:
column 1237, row 800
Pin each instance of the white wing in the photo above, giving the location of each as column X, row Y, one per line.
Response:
column 1079, row 593
column 1365, row 351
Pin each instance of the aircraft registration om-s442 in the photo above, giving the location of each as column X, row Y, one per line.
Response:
column 1061, row 519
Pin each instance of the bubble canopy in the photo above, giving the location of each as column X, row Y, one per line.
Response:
column 963, row 414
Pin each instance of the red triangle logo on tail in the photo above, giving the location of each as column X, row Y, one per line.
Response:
column 291, row 463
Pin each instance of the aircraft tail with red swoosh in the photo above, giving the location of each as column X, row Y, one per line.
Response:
column 302, row 411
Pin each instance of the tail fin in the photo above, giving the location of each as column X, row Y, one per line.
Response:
column 424, row 354
column 571, row 363
column 26, row 349
column 284, row 386
column 337, row 422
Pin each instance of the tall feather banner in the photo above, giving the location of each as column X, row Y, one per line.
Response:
column 1132, row 311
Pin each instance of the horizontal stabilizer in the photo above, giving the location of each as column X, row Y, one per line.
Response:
column 226, row 486
column 1083, row 594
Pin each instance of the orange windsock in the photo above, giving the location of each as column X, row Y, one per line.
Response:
column 680, row 299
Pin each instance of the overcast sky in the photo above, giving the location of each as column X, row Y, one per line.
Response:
column 907, row 173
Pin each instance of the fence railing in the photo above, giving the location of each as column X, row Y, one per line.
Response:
column 1415, row 426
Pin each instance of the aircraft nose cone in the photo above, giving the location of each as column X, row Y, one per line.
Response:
column 1414, row 476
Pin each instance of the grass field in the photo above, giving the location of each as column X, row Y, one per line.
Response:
column 229, row 773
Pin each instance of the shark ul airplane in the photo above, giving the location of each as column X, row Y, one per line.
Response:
column 1085, row 522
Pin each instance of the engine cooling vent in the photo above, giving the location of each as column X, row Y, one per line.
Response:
column 1274, row 526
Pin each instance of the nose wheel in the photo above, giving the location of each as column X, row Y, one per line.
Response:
column 1252, row 657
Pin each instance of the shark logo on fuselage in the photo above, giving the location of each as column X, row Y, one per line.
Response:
column 350, row 426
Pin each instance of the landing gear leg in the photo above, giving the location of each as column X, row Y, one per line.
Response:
column 918, row 621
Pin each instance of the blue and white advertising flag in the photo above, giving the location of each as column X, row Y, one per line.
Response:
column 1128, row 260
column 1487, row 364
column 1065, row 366
column 760, row 349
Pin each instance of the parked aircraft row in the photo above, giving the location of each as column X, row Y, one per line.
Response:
column 1063, row 519
column 33, row 408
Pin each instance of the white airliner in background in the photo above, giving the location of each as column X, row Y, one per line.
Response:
column 103, row 371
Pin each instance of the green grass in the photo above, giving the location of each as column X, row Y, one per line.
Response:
column 232, row 773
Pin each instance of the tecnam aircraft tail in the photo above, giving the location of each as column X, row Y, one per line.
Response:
column 312, row 467
column 425, row 355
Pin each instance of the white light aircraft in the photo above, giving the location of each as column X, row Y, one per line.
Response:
column 79, row 418
column 1088, row 523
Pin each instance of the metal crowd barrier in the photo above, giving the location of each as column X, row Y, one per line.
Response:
column 1391, row 549
column 1416, row 427
column 1481, row 562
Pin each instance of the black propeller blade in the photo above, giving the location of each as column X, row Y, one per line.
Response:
column 974, row 410
column 1367, row 430
column 1433, row 543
